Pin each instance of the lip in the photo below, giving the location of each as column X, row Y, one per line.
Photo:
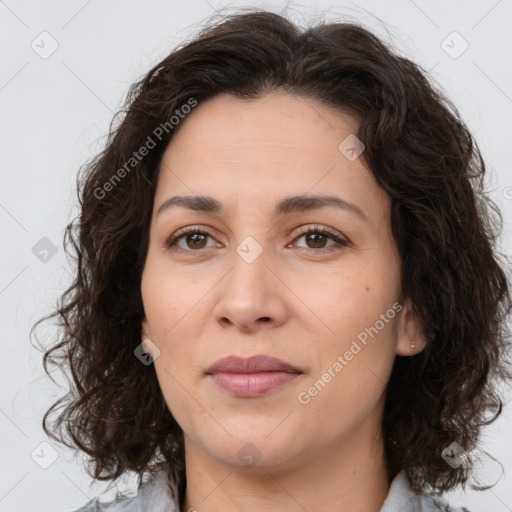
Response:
column 251, row 377
column 253, row 364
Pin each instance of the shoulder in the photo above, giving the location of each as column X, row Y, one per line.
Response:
column 441, row 506
column 431, row 503
column 119, row 505
column 154, row 495
column 401, row 497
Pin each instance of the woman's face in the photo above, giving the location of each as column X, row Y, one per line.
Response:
column 253, row 283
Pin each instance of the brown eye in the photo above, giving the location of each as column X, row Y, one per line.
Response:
column 194, row 239
column 197, row 240
column 316, row 239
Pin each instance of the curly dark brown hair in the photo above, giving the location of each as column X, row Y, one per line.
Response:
column 445, row 226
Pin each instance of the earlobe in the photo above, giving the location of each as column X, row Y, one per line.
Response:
column 149, row 347
column 144, row 333
column 411, row 340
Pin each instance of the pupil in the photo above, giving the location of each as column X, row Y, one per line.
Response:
column 316, row 235
column 197, row 235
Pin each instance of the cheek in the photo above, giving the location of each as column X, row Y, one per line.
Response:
column 174, row 381
column 352, row 299
column 362, row 314
column 354, row 371
column 176, row 316
column 170, row 299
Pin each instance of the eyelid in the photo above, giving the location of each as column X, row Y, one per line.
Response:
column 341, row 240
column 317, row 228
column 197, row 228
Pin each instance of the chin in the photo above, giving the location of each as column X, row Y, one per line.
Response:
column 256, row 427
column 246, row 455
column 254, row 444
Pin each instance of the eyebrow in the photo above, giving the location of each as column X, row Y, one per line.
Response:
column 285, row 206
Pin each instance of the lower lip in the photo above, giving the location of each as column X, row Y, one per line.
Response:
column 251, row 384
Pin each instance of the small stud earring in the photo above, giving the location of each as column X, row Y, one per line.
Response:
column 412, row 346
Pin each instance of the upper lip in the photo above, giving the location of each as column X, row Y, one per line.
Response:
column 254, row 364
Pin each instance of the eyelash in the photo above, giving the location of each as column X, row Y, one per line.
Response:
column 304, row 231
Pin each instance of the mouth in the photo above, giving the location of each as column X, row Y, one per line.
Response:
column 251, row 377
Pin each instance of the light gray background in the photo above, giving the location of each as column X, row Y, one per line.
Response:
column 55, row 112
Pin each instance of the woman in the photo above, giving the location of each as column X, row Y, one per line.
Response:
column 287, row 294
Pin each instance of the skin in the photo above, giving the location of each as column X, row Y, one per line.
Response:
column 302, row 300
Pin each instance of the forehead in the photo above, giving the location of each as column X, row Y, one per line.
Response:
column 274, row 146
column 277, row 121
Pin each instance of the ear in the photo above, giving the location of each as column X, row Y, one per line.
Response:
column 144, row 332
column 409, row 331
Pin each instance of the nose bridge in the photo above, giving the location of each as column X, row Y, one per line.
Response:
column 248, row 293
column 248, row 279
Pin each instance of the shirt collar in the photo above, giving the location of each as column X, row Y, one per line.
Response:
column 401, row 498
column 156, row 496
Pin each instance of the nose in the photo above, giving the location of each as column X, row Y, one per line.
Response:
column 251, row 296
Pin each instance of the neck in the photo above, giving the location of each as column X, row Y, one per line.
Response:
column 352, row 477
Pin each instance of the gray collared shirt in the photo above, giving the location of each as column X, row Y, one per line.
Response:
column 155, row 496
